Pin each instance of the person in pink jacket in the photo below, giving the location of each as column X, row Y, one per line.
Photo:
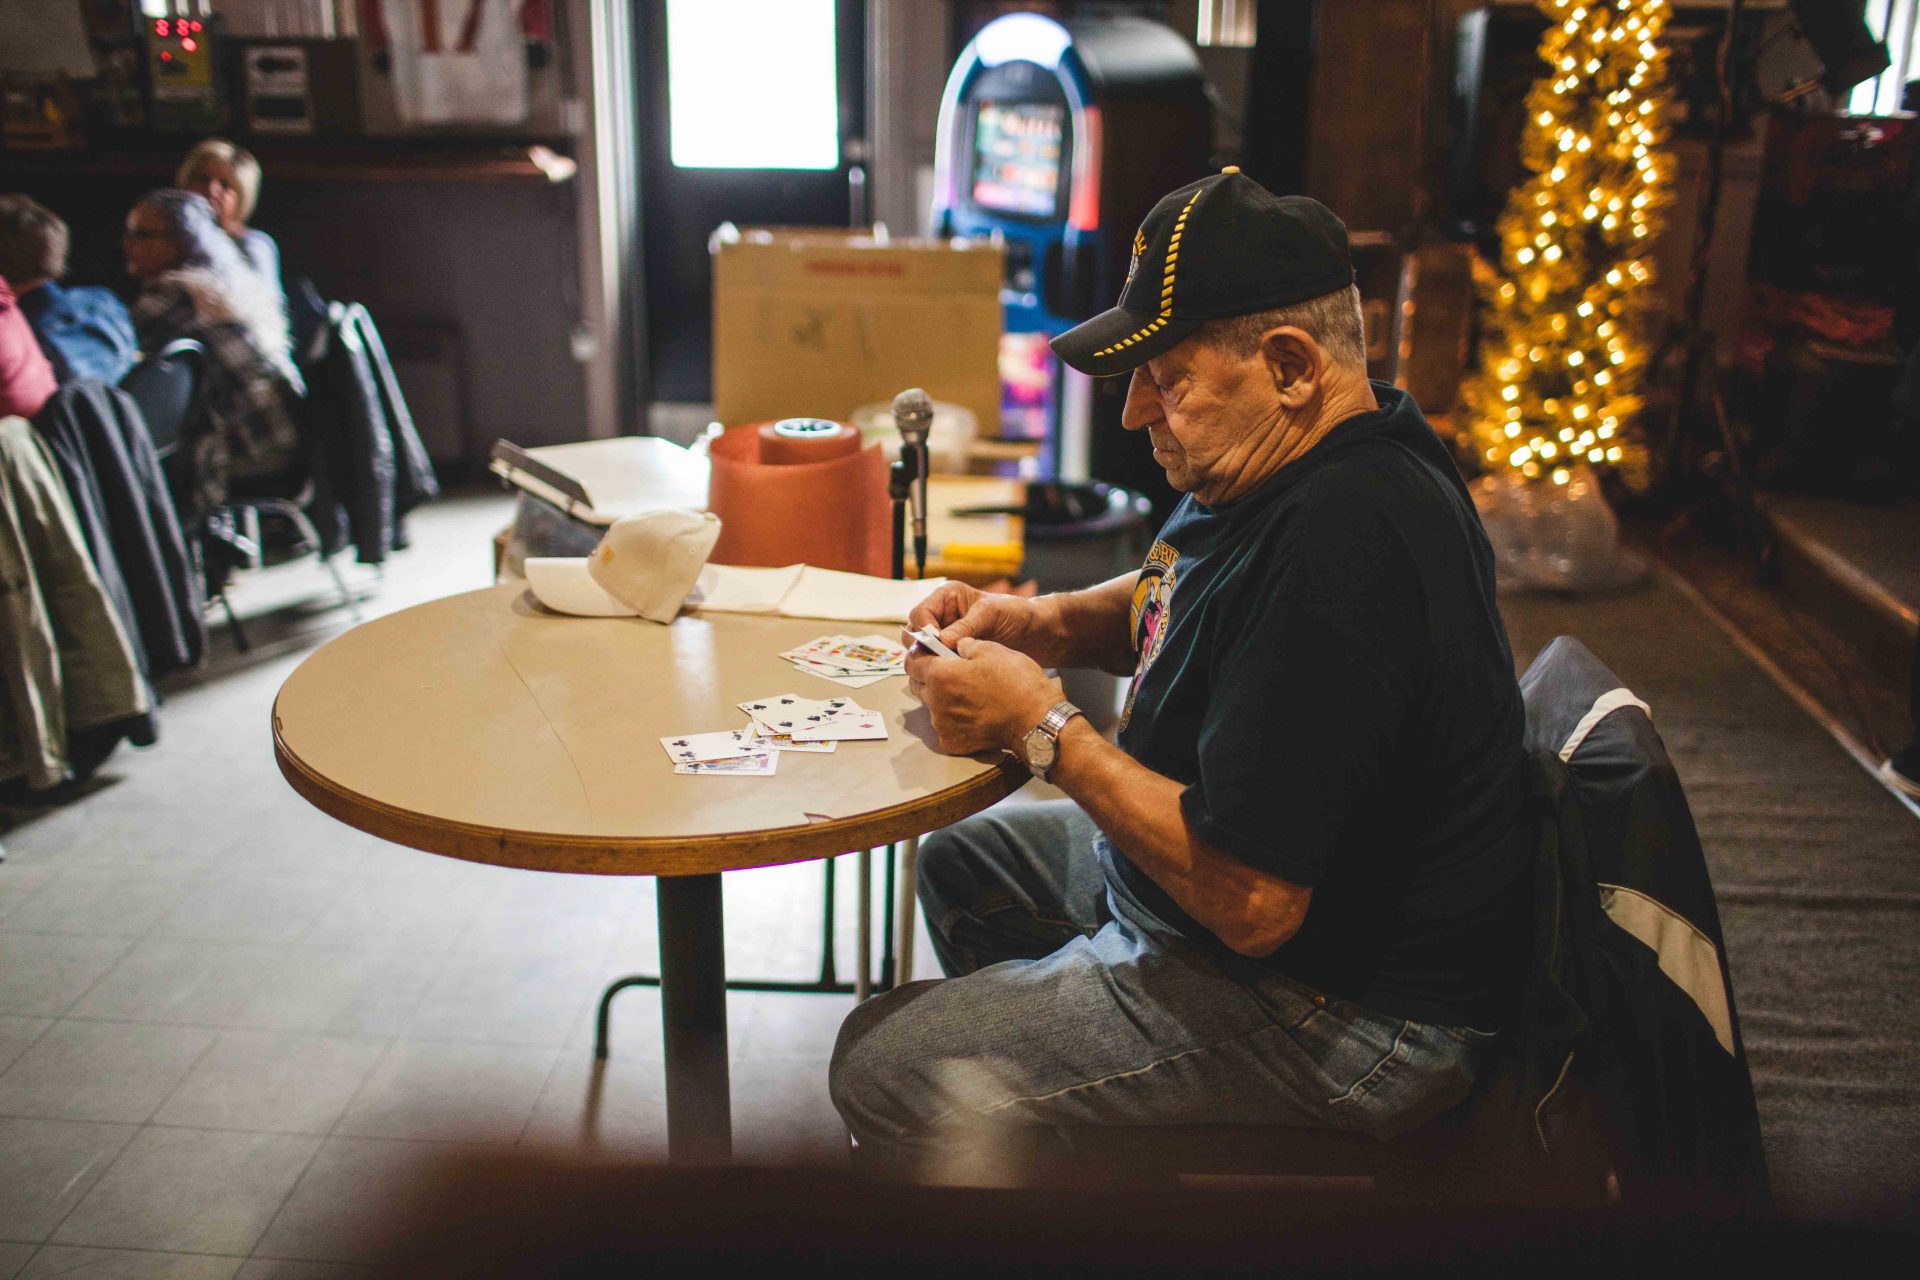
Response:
column 26, row 379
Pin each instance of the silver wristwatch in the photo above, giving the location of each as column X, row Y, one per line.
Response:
column 1041, row 746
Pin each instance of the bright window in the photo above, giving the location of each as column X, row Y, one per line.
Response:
column 1893, row 22
column 751, row 84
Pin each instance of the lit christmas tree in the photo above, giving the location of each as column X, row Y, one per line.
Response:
column 1563, row 348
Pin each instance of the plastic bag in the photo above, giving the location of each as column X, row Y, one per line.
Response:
column 1554, row 537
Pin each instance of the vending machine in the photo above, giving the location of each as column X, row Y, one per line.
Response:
column 1058, row 137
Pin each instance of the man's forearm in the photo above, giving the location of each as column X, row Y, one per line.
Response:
column 1090, row 628
column 1139, row 810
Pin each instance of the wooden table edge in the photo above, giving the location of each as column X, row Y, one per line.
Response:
column 648, row 855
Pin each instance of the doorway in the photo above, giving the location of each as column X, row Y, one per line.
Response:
column 751, row 112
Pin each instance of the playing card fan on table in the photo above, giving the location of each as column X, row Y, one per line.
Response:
column 731, row 751
column 767, row 739
column 849, row 661
column 809, row 722
column 855, row 724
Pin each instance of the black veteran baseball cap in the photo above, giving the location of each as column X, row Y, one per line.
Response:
column 1222, row 246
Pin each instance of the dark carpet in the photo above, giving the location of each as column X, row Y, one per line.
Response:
column 1817, row 870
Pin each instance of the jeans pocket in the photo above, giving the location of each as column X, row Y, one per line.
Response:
column 1379, row 1063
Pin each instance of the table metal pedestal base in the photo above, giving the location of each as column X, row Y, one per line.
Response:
column 693, row 1015
column 828, row 983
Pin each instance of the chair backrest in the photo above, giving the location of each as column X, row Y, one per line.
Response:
column 1654, row 975
column 166, row 386
column 1644, row 849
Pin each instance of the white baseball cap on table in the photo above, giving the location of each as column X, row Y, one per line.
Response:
column 645, row 566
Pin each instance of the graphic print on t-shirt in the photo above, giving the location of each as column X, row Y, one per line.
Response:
column 1152, row 599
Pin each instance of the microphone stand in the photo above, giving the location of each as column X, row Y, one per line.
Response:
column 900, row 478
column 913, row 419
column 906, row 487
column 918, row 479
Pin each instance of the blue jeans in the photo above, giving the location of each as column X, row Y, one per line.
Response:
column 1067, row 1006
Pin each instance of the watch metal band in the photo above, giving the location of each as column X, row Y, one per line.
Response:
column 1049, row 728
column 1056, row 718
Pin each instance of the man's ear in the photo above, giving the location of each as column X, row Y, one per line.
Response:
column 1296, row 363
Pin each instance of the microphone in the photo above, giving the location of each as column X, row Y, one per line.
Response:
column 913, row 417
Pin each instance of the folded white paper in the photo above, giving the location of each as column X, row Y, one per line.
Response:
column 804, row 591
column 564, row 585
column 728, row 588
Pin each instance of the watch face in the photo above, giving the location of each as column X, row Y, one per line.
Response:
column 1040, row 752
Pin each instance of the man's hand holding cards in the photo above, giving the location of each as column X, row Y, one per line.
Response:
column 929, row 639
column 980, row 694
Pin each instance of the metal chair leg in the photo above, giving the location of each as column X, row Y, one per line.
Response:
column 311, row 536
column 240, row 641
column 340, row 585
column 909, row 906
column 290, row 512
column 887, row 978
column 828, row 975
column 863, row 980
column 250, row 531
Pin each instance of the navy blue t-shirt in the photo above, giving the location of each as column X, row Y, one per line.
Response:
column 1323, row 664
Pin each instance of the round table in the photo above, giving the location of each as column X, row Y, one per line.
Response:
column 482, row 727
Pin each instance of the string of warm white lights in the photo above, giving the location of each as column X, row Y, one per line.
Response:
column 1563, row 349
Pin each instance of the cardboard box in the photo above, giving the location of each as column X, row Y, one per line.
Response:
column 809, row 322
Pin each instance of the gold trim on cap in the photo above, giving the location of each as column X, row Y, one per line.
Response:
column 1166, row 288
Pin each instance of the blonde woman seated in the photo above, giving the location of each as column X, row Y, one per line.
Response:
column 195, row 284
column 228, row 177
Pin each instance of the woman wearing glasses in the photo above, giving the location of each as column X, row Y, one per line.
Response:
column 195, row 284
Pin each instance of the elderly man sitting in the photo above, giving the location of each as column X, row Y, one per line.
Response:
column 1295, row 892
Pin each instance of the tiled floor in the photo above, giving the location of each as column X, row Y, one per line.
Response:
column 232, row 1028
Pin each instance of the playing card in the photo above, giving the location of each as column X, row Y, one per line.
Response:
column 762, row 737
column 757, row 765
column 929, row 639
column 814, row 646
column 837, row 656
column 871, row 653
column 783, row 712
column 844, row 679
column 820, row 713
column 851, row 724
column 684, row 748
